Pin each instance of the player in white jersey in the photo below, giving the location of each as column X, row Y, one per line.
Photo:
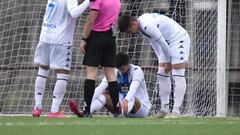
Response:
column 55, row 50
column 171, row 44
column 133, row 96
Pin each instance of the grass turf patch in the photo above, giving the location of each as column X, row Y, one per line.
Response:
column 118, row 126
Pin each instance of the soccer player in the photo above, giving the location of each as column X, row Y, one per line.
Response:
column 171, row 44
column 133, row 95
column 99, row 46
column 55, row 50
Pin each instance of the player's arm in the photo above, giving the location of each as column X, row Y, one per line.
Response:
column 76, row 10
column 156, row 36
column 138, row 77
column 101, row 88
column 156, row 48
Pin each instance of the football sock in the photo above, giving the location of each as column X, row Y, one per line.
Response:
column 180, row 88
column 40, row 85
column 89, row 87
column 114, row 93
column 98, row 103
column 164, row 88
column 59, row 91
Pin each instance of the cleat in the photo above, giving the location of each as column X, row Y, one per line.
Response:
column 57, row 115
column 161, row 114
column 74, row 108
column 36, row 112
column 172, row 115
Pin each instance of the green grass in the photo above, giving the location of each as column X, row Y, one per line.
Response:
column 110, row 126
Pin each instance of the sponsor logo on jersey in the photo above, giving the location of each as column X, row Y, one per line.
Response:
column 50, row 26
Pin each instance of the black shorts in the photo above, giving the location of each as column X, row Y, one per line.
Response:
column 101, row 49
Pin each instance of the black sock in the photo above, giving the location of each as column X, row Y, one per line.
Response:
column 114, row 93
column 89, row 87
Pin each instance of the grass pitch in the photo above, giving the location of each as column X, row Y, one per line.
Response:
column 119, row 126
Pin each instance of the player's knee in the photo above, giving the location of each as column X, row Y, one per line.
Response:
column 43, row 72
column 162, row 74
column 62, row 71
column 45, row 67
column 178, row 74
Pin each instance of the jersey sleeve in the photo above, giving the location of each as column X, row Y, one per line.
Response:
column 156, row 47
column 96, row 5
column 71, row 4
column 155, row 35
column 138, row 74
column 75, row 10
column 138, row 77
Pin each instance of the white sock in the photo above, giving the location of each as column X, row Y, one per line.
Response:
column 40, row 85
column 59, row 91
column 164, row 88
column 180, row 88
column 98, row 103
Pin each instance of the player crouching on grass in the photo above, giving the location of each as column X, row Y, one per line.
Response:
column 55, row 50
column 171, row 44
column 133, row 95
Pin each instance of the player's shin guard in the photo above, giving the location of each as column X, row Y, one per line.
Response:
column 164, row 89
column 40, row 85
column 98, row 103
column 59, row 91
column 89, row 87
column 114, row 93
column 180, row 88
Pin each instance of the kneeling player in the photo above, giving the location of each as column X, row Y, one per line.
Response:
column 133, row 96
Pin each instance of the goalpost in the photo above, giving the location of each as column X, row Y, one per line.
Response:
column 212, row 42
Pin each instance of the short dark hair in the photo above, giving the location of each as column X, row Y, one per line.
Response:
column 124, row 22
column 122, row 59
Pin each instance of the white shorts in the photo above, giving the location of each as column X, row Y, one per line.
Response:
column 54, row 55
column 179, row 51
column 141, row 113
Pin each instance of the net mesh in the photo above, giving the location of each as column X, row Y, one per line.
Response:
column 20, row 26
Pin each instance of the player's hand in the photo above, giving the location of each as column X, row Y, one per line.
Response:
column 83, row 46
column 168, row 67
column 124, row 106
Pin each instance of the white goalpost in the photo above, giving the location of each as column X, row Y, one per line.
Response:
column 222, row 98
column 212, row 74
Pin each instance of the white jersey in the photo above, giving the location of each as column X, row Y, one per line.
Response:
column 58, row 25
column 168, row 28
column 135, row 73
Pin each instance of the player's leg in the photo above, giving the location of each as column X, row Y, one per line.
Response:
column 60, row 61
column 178, row 73
column 41, row 59
column 180, row 53
column 164, row 87
column 101, row 101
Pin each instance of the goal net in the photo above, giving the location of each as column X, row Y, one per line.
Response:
column 20, row 26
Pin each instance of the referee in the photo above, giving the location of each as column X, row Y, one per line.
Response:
column 99, row 46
